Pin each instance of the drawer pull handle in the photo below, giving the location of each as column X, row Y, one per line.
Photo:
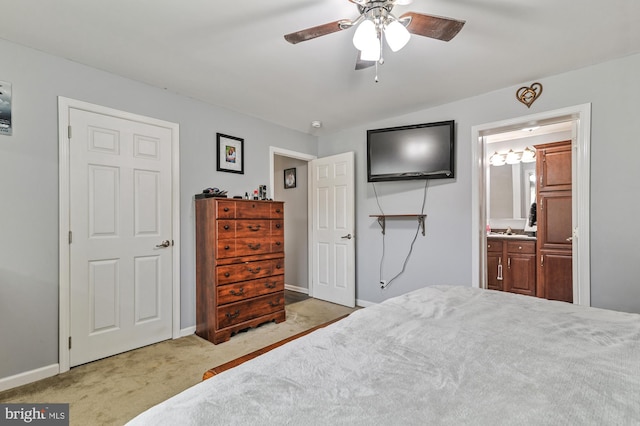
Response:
column 278, row 243
column 278, row 225
column 254, row 271
column 226, row 209
column 253, row 206
column 226, row 274
column 274, row 304
column 489, row 245
column 233, row 315
column 519, row 247
column 270, row 285
column 254, row 228
column 278, row 210
column 227, row 247
column 254, row 247
column 226, row 227
column 278, row 266
column 237, row 293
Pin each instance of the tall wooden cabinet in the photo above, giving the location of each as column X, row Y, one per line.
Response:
column 555, row 230
column 239, row 265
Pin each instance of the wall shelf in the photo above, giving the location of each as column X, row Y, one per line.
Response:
column 383, row 217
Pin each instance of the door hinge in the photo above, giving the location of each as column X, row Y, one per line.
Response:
column 69, row 342
column 69, row 132
column 70, row 237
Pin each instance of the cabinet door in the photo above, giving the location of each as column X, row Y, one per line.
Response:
column 520, row 274
column 494, row 271
column 555, row 275
column 554, row 166
column 554, row 220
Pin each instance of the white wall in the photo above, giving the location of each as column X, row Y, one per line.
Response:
column 296, row 272
column 444, row 255
column 29, row 185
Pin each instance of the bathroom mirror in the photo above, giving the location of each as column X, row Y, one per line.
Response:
column 512, row 189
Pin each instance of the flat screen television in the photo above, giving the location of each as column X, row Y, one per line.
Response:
column 419, row 151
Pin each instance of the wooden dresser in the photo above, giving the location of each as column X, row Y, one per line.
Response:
column 239, row 265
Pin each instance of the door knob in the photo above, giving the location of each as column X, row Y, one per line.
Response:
column 348, row 236
column 165, row 243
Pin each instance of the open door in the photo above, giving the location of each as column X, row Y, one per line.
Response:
column 332, row 229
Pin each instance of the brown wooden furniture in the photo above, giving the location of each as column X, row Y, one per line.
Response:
column 511, row 265
column 239, row 265
column 555, row 230
column 235, row 362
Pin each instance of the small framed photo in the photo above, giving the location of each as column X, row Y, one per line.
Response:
column 290, row 178
column 5, row 108
column 230, row 151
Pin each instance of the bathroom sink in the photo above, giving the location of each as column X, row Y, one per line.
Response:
column 512, row 236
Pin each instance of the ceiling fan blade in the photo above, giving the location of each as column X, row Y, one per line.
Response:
column 320, row 30
column 362, row 64
column 432, row 26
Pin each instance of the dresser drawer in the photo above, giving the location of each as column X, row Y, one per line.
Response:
column 253, row 210
column 235, row 313
column 248, row 271
column 226, row 229
column 226, row 209
column 277, row 211
column 277, row 228
column 277, row 245
column 252, row 228
column 528, row 247
column 249, row 246
column 247, row 289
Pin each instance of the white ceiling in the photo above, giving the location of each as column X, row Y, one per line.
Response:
column 233, row 54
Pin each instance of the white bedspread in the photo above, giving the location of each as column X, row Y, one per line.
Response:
column 436, row 356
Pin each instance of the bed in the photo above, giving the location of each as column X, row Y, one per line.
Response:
column 436, row 356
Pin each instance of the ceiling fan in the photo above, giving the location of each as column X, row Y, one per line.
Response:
column 376, row 22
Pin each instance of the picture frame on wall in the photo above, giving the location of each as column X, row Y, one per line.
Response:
column 6, row 127
column 230, row 153
column 290, row 178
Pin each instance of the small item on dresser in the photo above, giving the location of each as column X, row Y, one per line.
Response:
column 213, row 192
column 246, row 195
column 255, row 194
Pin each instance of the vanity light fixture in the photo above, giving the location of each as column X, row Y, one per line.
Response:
column 528, row 155
column 497, row 159
column 512, row 157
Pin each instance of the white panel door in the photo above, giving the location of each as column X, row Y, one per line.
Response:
column 120, row 219
column 333, row 241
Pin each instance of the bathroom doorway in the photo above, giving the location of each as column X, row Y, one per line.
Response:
column 579, row 118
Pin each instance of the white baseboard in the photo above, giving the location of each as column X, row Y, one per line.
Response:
column 29, row 377
column 364, row 303
column 187, row 331
column 296, row 288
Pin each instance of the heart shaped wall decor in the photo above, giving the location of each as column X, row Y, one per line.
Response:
column 527, row 95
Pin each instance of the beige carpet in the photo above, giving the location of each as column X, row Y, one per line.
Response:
column 116, row 389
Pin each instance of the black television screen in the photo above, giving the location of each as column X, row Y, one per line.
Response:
column 420, row 151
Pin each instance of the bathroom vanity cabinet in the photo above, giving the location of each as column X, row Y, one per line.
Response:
column 511, row 265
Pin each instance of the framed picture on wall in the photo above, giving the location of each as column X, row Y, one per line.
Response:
column 5, row 108
column 290, row 178
column 230, row 151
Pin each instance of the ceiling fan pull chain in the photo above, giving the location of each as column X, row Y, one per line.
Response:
column 376, row 79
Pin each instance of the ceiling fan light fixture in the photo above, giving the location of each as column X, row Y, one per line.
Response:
column 397, row 35
column 365, row 35
column 372, row 52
